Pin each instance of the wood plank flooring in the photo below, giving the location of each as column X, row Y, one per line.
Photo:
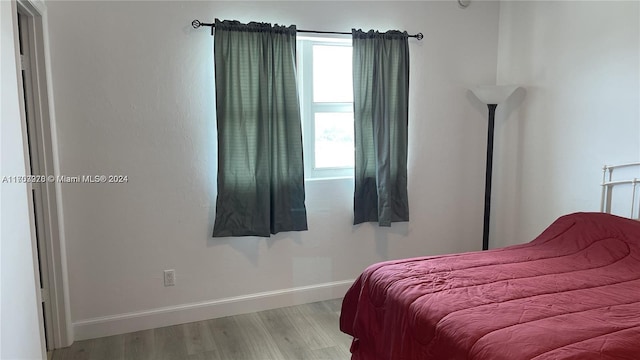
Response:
column 304, row 332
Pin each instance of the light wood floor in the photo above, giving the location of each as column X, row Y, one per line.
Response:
column 307, row 331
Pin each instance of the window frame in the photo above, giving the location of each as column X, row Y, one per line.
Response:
column 308, row 108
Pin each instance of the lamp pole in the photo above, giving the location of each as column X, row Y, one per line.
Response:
column 491, row 96
column 487, row 178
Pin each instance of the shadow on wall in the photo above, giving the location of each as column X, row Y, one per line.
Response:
column 249, row 246
column 382, row 235
column 517, row 159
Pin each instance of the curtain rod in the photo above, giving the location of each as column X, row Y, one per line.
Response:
column 196, row 24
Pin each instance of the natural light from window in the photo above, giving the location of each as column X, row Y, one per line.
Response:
column 327, row 107
column 332, row 74
column 334, row 140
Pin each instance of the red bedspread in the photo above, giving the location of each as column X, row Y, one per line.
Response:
column 572, row 293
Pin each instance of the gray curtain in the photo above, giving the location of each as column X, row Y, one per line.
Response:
column 381, row 90
column 260, row 169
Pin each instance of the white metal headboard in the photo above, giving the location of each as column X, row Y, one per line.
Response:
column 609, row 182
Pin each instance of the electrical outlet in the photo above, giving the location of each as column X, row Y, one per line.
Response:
column 169, row 277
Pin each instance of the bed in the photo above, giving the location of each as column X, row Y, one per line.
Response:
column 571, row 293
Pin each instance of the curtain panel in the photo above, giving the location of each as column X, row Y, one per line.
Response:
column 260, row 166
column 381, row 101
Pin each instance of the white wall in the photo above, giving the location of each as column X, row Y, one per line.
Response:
column 579, row 61
column 20, row 332
column 134, row 96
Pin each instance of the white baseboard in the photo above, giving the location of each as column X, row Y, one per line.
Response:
column 185, row 313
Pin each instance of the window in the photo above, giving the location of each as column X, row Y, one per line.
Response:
column 326, row 99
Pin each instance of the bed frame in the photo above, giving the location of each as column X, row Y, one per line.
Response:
column 609, row 182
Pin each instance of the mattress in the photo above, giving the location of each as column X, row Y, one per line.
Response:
column 572, row 293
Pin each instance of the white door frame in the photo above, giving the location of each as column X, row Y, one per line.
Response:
column 51, row 227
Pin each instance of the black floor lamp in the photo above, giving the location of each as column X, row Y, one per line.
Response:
column 492, row 96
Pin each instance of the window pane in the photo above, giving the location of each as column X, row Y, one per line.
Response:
column 332, row 75
column 334, row 140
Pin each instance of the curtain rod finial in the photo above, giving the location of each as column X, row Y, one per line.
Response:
column 196, row 24
column 419, row 36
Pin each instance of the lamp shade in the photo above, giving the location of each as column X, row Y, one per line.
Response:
column 493, row 94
